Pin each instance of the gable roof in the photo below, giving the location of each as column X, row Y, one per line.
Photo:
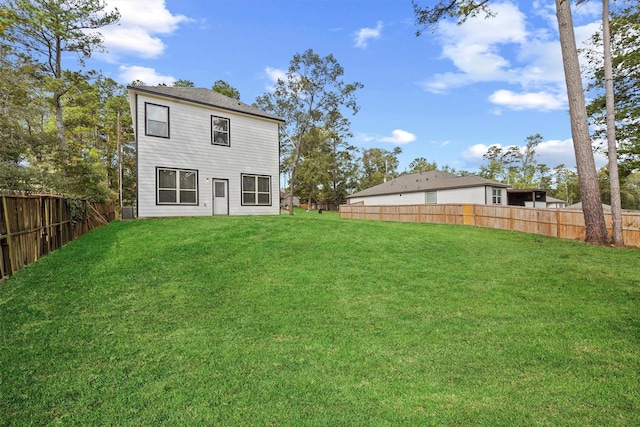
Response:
column 426, row 181
column 205, row 97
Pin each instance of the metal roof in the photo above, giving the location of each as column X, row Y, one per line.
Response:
column 206, row 97
column 426, row 181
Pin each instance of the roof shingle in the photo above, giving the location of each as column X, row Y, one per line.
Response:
column 426, row 181
column 205, row 96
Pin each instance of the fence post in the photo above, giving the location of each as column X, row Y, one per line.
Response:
column 12, row 263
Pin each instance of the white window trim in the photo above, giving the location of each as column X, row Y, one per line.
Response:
column 435, row 197
column 496, row 196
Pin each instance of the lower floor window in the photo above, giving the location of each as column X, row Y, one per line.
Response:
column 497, row 196
column 177, row 186
column 256, row 190
column 430, row 197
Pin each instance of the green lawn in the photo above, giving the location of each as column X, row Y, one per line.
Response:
column 313, row 320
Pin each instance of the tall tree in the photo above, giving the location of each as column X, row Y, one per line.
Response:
column 378, row 166
column 614, row 177
column 595, row 228
column 420, row 164
column 625, row 39
column 47, row 29
column 312, row 90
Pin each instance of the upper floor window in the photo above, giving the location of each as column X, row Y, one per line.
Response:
column 496, row 194
column 156, row 120
column 256, row 190
column 220, row 131
column 177, row 186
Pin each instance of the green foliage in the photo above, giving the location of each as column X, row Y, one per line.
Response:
column 378, row 166
column 625, row 38
column 226, row 89
column 311, row 97
column 183, row 83
column 311, row 320
column 461, row 10
column 421, row 164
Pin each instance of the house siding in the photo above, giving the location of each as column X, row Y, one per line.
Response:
column 253, row 149
column 472, row 195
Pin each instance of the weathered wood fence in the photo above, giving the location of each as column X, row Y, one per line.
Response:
column 31, row 226
column 561, row 223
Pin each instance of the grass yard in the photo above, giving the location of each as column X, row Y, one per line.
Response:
column 313, row 320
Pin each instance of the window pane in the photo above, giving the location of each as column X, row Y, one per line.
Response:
column 167, row 196
column 157, row 128
column 188, row 180
column 431, row 197
column 221, row 138
column 263, row 199
column 221, row 125
column 167, row 178
column 263, row 184
column 219, row 189
column 187, row 196
column 157, row 113
column 248, row 183
column 248, row 198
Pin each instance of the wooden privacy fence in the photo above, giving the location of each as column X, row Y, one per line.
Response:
column 31, row 226
column 561, row 223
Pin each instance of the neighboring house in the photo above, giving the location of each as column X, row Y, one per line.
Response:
column 533, row 198
column 201, row 153
column 433, row 187
column 285, row 200
column 553, row 203
column 578, row 207
column 530, row 198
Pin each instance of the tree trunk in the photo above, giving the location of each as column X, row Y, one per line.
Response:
column 595, row 227
column 614, row 178
column 57, row 94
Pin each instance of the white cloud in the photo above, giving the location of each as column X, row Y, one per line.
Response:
column 399, row 137
column 551, row 153
column 363, row 35
column 507, row 49
column 147, row 75
column 273, row 75
column 543, row 101
column 141, row 23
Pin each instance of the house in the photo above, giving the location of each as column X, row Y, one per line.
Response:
column 285, row 200
column 433, row 187
column 201, row 153
column 553, row 203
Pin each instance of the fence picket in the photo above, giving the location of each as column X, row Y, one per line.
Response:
column 31, row 226
column 564, row 224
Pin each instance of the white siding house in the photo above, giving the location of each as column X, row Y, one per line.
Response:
column 433, row 187
column 201, row 153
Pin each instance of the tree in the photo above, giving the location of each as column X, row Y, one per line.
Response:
column 378, row 166
column 595, row 228
column 47, row 29
column 183, row 83
column 420, row 164
column 312, row 91
column 614, row 177
column 625, row 38
column 226, row 89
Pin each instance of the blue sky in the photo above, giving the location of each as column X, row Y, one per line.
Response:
column 446, row 95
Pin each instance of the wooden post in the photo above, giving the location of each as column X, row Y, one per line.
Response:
column 12, row 262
